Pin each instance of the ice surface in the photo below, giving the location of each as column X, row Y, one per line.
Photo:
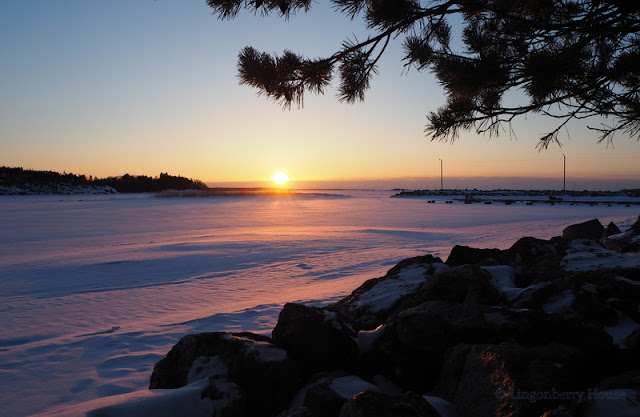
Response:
column 95, row 289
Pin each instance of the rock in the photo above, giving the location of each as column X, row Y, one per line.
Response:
column 611, row 230
column 533, row 327
column 467, row 284
column 632, row 341
column 319, row 339
column 373, row 404
column 627, row 242
column 371, row 304
column 618, row 402
column 629, row 379
column 500, row 379
column 560, row 411
column 433, row 326
column 327, row 393
column 461, row 255
column 296, row 412
column 262, row 373
column 591, row 229
column 535, row 260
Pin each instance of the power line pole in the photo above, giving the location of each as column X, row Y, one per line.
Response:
column 441, row 181
column 564, row 178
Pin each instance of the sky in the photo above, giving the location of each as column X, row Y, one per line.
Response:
column 149, row 86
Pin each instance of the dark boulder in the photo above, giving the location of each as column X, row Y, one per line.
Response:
column 319, row 339
column 467, row 284
column 534, row 327
column 591, row 229
column 325, row 395
column 462, row 255
column 500, row 379
column 536, row 260
column 611, row 229
column 263, row 374
column 434, row 326
column 374, row 404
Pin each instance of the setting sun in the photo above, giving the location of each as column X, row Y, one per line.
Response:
column 280, row 177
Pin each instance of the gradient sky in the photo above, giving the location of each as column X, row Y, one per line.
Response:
column 149, row 86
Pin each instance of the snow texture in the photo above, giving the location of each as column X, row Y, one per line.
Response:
column 95, row 289
column 206, row 366
column 386, row 292
column 589, row 255
column 502, row 278
column 261, row 351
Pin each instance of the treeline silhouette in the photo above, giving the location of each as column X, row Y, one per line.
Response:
column 123, row 184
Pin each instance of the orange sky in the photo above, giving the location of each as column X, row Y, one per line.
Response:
column 149, row 87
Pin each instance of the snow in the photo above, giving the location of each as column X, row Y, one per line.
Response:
column 386, row 292
column 158, row 403
column 560, row 303
column 366, row 338
column 95, row 289
column 607, row 403
column 502, row 278
column 623, row 279
column 442, row 406
column 622, row 329
column 206, row 366
column 261, row 351
column 588, row 255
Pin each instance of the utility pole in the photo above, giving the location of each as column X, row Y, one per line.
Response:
column 564, row 177
column 441, row 181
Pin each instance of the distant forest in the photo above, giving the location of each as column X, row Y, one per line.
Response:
column 123, row 184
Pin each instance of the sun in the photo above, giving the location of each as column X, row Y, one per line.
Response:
column 280, row 177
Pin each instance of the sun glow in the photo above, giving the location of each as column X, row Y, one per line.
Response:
column 280, row 177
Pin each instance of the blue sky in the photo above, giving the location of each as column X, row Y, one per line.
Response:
column 150, row 86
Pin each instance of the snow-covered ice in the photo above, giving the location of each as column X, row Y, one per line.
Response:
column 95, row 289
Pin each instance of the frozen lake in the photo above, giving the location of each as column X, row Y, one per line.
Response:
column 95, row 289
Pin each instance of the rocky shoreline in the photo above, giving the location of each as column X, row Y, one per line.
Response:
column 544, row 328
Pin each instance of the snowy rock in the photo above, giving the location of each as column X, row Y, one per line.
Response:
column 626, row 242
column 468, row 284
column 319, row 339
column 370, row 304
column 262, row 374
column 325, row 395
column 486, row 337
column 611, row 229
column 591, row 229
column 375, row 404
column 589, row 255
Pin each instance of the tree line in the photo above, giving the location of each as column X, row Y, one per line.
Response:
column 122, row 184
